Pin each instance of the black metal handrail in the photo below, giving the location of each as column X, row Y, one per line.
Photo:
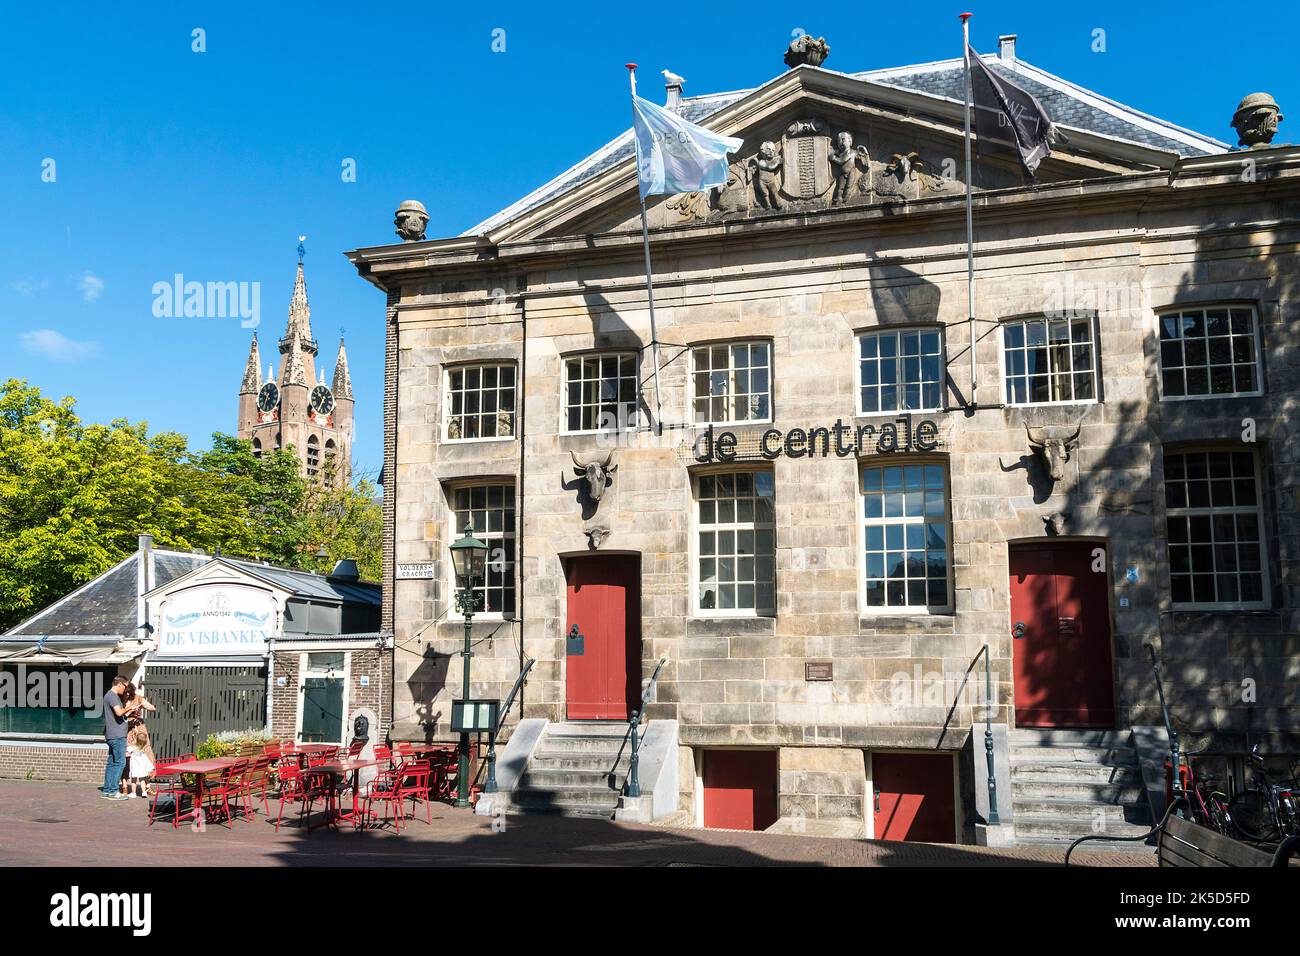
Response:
column 490, row 785
column 633, row 777
column 1176, row 784
column 994, row 819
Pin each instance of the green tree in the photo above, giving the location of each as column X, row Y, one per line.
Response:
column 345, row 521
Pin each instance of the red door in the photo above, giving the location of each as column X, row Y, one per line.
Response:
column 914, row 797
column 740, row 789
column 603, row 673
column 1062, row 663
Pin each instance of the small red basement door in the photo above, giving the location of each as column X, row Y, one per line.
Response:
column 740, row 789
column 914, row 797
column 602, row 678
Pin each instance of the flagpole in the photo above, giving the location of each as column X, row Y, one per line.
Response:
column 970, row 217
column 649, row 275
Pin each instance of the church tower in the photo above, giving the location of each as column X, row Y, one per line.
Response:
column 296, row 409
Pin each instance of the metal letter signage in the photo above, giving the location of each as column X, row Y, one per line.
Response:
column 840, row 440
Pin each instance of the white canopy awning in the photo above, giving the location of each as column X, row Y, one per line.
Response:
column 58, row 650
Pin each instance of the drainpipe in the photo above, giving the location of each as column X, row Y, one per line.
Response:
column 519, row 510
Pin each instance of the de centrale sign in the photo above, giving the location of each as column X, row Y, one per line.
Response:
column 216, row 620
column 839, row 440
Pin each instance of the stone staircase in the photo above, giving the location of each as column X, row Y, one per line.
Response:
column 569, row 771
column 1071, row 783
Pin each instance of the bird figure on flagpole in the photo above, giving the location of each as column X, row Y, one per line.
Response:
column 672, row 79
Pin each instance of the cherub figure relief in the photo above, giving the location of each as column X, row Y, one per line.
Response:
column 768, row 179
column 847, row 162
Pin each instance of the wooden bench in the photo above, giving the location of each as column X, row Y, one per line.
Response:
column 1181, row 842
column 1184, row 843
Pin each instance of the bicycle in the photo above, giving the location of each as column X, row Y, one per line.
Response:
column 1208, row 808
column 1265, row 812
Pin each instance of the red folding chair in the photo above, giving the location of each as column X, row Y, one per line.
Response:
column 228, row 784
column 170, row 783
column 300, row 787
column 392, row 789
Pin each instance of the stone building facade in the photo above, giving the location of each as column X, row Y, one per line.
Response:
column 824, row 509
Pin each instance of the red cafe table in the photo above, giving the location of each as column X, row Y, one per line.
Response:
column 334, row 815
column 200, row 769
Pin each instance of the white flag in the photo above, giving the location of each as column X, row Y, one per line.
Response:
column 676, row 156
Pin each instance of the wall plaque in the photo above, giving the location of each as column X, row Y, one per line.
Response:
column 818, row 670
column 419, row 571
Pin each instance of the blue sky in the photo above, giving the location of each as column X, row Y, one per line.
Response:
column 211, row 164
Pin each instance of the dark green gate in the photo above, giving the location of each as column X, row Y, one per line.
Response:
column 194, row 702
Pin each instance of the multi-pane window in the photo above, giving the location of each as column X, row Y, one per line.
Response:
column 733, row 382
column 905, row 511
column 737, row 544
column 600, row 393
column 1212, row 506
column 1049, row 360
column 899, row 371
column 481, row 401
column 1209, row 352
column 490, row 512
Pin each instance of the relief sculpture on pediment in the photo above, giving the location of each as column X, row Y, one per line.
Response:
column 809, row 167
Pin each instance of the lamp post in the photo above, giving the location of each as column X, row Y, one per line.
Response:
column 468, row 556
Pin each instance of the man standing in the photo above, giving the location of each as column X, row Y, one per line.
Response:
column 115, row 714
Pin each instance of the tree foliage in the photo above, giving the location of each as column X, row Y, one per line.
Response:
column 74, row 497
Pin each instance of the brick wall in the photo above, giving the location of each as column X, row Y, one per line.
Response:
column 284, row 700
column 75, row 762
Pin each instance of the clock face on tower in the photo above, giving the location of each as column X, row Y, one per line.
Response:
column 268, row 398
column 322, row 400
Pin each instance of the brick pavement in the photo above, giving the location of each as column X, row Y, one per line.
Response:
column 66, row 824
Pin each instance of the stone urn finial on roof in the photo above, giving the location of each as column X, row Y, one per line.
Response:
column 1256, row 120
column 804, row 49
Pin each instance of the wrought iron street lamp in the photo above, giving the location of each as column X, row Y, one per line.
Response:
column 468, row 557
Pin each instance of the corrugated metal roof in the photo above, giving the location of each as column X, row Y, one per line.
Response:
column 107, row 604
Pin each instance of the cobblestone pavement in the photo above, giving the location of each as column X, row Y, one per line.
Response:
column 63, row 824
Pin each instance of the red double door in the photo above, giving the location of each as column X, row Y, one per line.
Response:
column 1061, row 641
column 603, row 666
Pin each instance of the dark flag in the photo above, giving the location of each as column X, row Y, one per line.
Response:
column 1008, row 119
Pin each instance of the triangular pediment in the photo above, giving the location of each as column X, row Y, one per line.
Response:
column 814, row 140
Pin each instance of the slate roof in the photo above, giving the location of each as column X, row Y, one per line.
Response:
column 1067, row 104
column 106, row 604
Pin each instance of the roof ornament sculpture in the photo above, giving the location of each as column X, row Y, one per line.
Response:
column 804, row 50
column 1256, row 120
column 411, row 219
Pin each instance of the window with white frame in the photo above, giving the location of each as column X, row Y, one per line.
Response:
column 733, row 382
column 1215, row 529
column 480, row 402
column 1049, row 360
column 905, row 534
column 737, row 543
column 1209, row 352
column 489, row 509
column 899, row 370
column 600, row 392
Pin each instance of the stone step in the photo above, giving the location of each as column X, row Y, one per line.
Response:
column 1075, row 771
column 1057, row 827
column 1069, row 788
column 1069, row 810
column 602, row 728
column 1093, row 846
column 561, row 810
column 579, row 744
column 1024, row 753
column 545, row 778
column 569, row 796
column 1029, row 736
column 570, row 760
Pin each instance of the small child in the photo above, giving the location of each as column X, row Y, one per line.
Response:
column 139, row 761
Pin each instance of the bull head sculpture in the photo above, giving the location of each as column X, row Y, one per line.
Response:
column 597, row 474
column 1053, row 442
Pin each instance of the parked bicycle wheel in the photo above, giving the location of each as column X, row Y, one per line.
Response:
column 1252, row 816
